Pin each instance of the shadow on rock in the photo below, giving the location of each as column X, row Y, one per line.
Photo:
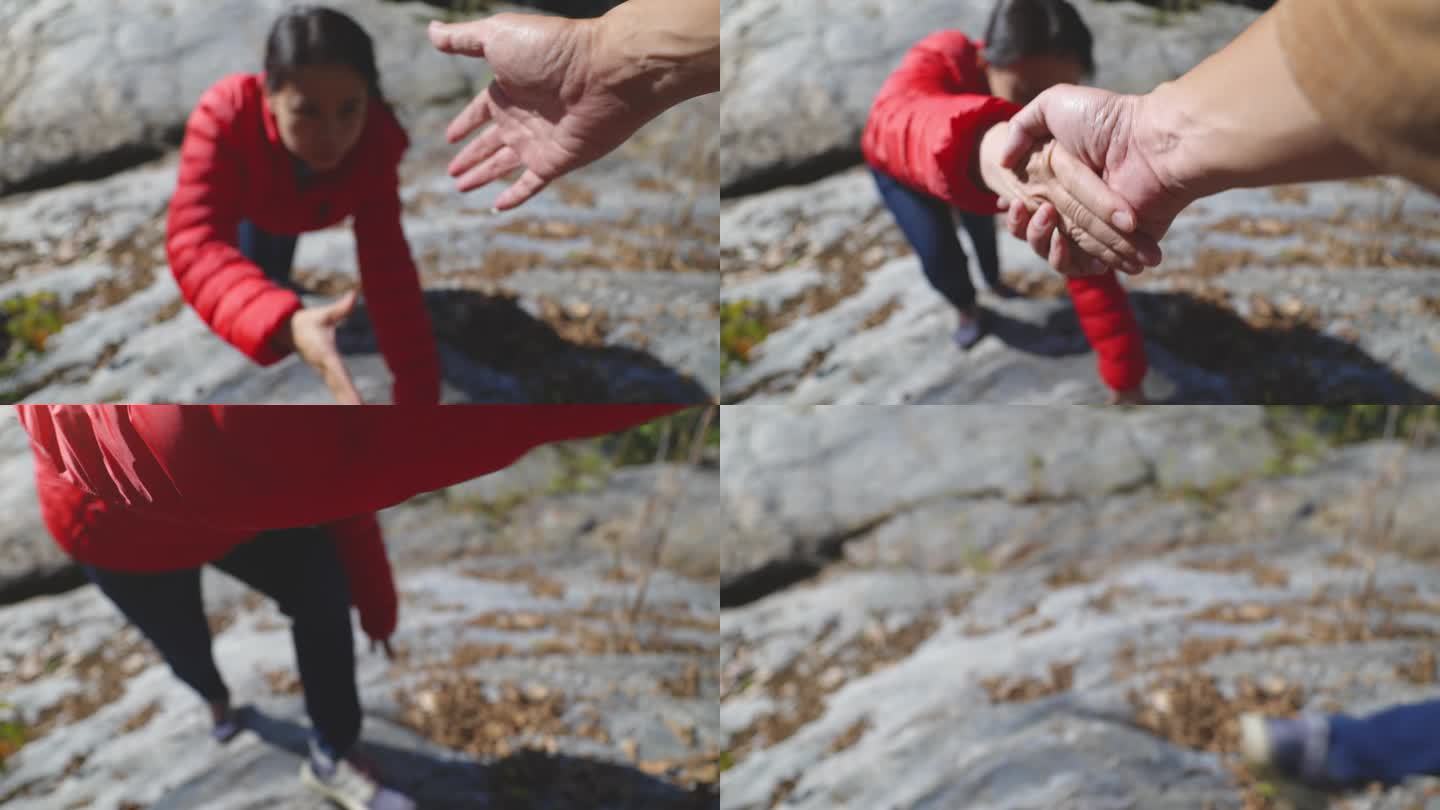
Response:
column 559, row 357
column 528, row 780
column 1274, row 360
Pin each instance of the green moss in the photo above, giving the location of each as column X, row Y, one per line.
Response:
column 583, row 468
column 1211, row 495
column 1348, row 424
column 497, row 510
column 742, row 328
column 13, row 736
column 977, row 560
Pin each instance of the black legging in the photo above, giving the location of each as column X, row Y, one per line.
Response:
column 927, row 225
column 301, row 570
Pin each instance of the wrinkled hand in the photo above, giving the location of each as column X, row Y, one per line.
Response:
column 1105, row 132
column 312, row 336
column 1072, row 207
column 557, row 101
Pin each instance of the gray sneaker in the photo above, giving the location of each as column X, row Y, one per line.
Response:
column 349, row 786
column 1289, row 754
column 227, row 722
column 970, row 330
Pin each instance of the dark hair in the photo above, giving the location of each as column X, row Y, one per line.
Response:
column 1021, row 28
column 316, row 35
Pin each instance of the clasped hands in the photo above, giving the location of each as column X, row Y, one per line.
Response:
column 1083, row 180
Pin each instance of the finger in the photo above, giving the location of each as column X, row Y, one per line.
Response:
column 477, row 151
column 475, row 115
column 1027, row 128
column 1060, row 253
column 1016, row 220
column 1100, row 212
column 1003, row 203
column 343, row 388
column 526, row 187
column 1042, row 226
column 496, row 166
column 338, row 380
column 1073, row 225
column 341, row 309
column 467, row 39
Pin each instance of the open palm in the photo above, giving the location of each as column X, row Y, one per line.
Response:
column 552, row 106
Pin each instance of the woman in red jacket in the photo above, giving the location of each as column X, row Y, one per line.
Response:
column 922, row 141
column 300, row 147
column 143, row 496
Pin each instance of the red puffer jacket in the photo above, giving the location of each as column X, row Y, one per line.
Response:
column 233, row 167
column 164, row 487
column 102, row 534
column 924, row 129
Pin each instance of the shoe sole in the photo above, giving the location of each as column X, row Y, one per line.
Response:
column 1287, row 793
column 308, row 779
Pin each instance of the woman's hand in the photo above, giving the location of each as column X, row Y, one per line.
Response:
column 384, row 646
column 311, row 334
column 1063, row 205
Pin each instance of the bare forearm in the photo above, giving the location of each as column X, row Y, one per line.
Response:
column 1238, row 119
column 672, row 47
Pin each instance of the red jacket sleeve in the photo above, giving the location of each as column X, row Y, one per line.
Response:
column 1109, row 323
column 393, row 296
column 259, row 467
column 361, row 546
column 925, row 125
column 228, row 291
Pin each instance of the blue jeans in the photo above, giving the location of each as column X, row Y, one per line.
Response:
column 927, row 224
column 273, row 253
column 1386, row 747
column 300, row 569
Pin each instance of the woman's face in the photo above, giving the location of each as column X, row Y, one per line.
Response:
column 1027, row 78
column 321, row 112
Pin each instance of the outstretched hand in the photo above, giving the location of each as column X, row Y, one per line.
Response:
column 311, row 333
column 558, row 100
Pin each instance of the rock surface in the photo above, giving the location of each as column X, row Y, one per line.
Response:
column 1057, row 608
column 601, row 289
column 1300, row 294
column 798, row 78
column 588, row 708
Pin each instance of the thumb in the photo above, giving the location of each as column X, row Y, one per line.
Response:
column 1027, row 129
column 341, row 309
column 467, row 39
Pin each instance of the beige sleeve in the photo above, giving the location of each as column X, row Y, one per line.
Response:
column 1371, row 69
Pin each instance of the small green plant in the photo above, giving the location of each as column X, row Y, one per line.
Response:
column 742, row 328
column 977, row 560
column 1303, row 433
column 29, row 323
column 675, row 435
column 1348, row 424
column 582, row 469
column 13, row 736
column 496, row 509
column 1211, row 494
